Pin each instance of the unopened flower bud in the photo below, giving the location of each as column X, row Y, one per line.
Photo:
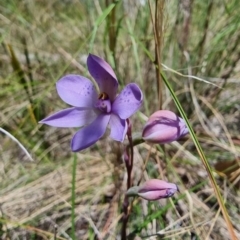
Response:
column 164, row 126
column 153, row 189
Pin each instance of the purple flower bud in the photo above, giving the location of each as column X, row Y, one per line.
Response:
column 155, row 189
column 164, row 126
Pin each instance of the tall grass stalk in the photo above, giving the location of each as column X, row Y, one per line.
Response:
column 203, row 158
column 193, row 135
column 158, row 36
column 98, row 22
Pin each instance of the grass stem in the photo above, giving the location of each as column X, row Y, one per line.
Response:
column 74, row 169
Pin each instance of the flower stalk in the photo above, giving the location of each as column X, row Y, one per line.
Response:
column 128, row 159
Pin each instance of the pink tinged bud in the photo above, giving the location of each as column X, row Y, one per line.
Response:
column 155, row 189
column 164, row 126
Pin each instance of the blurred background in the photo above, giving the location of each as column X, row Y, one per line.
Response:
column 198, row 44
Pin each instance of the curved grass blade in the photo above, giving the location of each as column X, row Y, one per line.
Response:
column 203, row 158
column 16, row 141
column 200, row 151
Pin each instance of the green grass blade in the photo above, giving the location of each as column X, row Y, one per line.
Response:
column 203, row 158
column 98, row 22
column 200, row 151
column 136, row 57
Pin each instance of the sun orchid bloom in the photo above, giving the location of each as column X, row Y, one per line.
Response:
column 92, row 111
column 164, row 126
column 153, row 189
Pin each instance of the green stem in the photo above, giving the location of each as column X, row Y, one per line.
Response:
column 74, row 169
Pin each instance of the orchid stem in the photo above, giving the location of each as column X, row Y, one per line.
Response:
column 128, row 162
column 128, row 157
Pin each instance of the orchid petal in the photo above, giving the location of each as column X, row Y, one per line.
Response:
column 118, row 128
column 128, row 101
column 70, row 117
column 90, row 134
column 77, row 91
column 184, row 128
column 103, row 75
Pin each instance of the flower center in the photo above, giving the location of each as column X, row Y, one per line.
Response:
column 103, row 103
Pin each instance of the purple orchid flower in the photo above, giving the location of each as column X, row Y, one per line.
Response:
column 92, row 111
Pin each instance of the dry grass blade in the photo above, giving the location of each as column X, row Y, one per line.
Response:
column 18, row 143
